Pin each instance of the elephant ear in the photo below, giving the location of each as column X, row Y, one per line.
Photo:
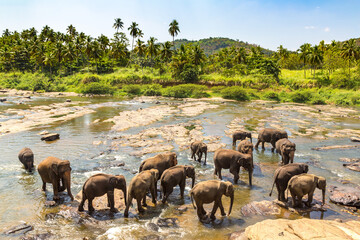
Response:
column 54, row 167
column 229, row 188
column 113, row 181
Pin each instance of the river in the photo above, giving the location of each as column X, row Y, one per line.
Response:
column 86, row 145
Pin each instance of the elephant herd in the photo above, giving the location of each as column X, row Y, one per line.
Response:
column 163, row 167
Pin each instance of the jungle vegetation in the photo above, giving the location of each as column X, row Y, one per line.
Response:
column 74, row 61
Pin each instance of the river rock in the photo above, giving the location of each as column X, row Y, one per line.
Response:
column 300, row 229
column 167, row 222
column 349, row 160
column 353, row 166
column 3, row 99
column 44, row 133
column 50, row 137
column 260, row 208
column 68, row 100
column 41, row 236
column 355, row 139
column 336, row 147
column 19, row 229
column 344, row 195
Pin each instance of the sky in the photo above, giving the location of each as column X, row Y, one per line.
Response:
column 264, row 22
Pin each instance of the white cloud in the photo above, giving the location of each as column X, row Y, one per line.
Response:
column 327, row 29
column 309, row 27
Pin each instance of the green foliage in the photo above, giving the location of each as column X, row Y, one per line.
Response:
column 132, row 89
column 271, row 95
column 90, row 78
column 96, row 88
column 189, row 74
column 301, row 96
column 152, row 90
column 236, row 93
column 185, row 91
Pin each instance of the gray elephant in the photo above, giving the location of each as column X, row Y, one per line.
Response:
column 240, row 135
column 176, row 176
column 99, row 184
column 245, row 147
column 138, row 188
column 233, row 160
column 53, row 170
column 286, row 149
column 284, row 174
column 270, row 135
column 208, row 192
column 161, row 162
column 198, row 148
column 26, row 157
column 300, row 185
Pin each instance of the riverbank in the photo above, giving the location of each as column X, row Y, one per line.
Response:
column 128, row 82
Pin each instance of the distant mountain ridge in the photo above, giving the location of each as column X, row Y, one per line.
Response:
column 212, row 45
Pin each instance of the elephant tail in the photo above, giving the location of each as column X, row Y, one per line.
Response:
column 192, row 199
column 275, row 177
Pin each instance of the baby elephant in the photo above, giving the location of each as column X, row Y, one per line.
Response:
column 26, row 157
column 303, row 184
column 139, row 186
column 245, row 147
column 99, row 184
column 176, row 176
column 198, row 148
column 208, row 192
column 240, row 135
column 286, row 148
column 283, row 174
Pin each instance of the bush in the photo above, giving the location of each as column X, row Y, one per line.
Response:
column 132, row 89
column 185, row 91
column 90, row 79
column 189, row 74
column 97, row 88
column 235, row 92
column 300, row 96
column 152, row 90
column 272, row 96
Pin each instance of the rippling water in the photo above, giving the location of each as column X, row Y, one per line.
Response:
column 21, row 197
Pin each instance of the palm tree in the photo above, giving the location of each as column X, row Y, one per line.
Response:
column 152, row 48
column 140, row 34
column 198, row 55
column 304, row 52
column 165, row 51
column 71, row 30
column 283, row 52
column 315, row 57
column 174, row 30
column 350, row 51
column 118, row 24
column 133, row 32
column 140, row 48
column 240, row 55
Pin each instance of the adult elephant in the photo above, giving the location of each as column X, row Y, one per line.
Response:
column 139, row 186
column 161, row 162
column 284, row 174
column 99, row 184
column 198, row 148
column 300, row 185
column 26, row 157
column 270, row 135
column 286, row 149
column 245, row 147
column 176, row 176
column 208, row 192
column 233, row 160
column 53, row 170
column 240, row 135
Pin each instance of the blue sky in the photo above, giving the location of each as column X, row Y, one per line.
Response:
column 263, row 22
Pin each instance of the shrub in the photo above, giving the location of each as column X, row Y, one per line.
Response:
column 132, row 89
column 185, row 91
column 189, row 74
column 90, row 79
column 97, row 88
column 300, row 96
column 272, row 96
column 152, row 90
column 235, row 92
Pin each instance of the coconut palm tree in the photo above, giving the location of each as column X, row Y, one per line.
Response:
column 198, row 55
column 174, row 30
column 152, row 48
column 140, row 48
column 118, row 24
column 304, row 53
column 140, row 33
column 315, row 57
column 240, row 55
column 133, row 32
column 165, row 51
column 350, row 51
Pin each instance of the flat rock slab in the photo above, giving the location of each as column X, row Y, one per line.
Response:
column 348, row 196
column 355, row 139
column 300, row 229
column 19, row 229
column 336, row 147
column 353, row 166
column 50, row 137
column 262, row 208
column 315, row 206
column 349, row 160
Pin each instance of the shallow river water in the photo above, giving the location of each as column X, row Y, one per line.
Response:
column 21, row 198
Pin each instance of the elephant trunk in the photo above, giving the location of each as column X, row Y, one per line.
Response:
column 291, row 156
column 205, row 155
column 124, row 191
column 67, row 183
column 193, row 181
column 250, row 139
column 323, row 196
column 250, row 177
column 231, row 203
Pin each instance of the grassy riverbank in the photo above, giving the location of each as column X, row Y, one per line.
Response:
column 291, row 86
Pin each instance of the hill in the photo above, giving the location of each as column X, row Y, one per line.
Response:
column 213, row 45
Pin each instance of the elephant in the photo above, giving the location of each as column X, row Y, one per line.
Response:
column 53, row 170
column 198, row 148
column 233, row 160
column 300, row 185
column 283, row 174
column 99, row 184
column 286, row 148
column 208, row 192
column 139, row 186
column 245, row 147
column 240, row 135
column 176, row 176
column 161, row 162
column 26, row 157
column 270, row 135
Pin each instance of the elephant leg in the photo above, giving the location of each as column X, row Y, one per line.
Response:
column 140, row 208
column 44, row 186
column 263, row 145
column 81, row 205
column 273, row 146
column 281, row 191
column 222, row 208
column 257, row 144
column 212, row 215
column 236, row 174
column 200, row 156
column 278, row 189
column 293, row 198
column 126, row 212
column 153, row 194
column 182, row 188
column 55, row 189
column 310, row 198
column 144, row 201
column 90, row 206
column 234, row 142
column 110, row 197
column 167, row 194
column 192, row 154
column 219, row 173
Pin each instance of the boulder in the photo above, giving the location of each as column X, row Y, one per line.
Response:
column 50, row 137
column 344, row 195
column 3, row 99
column 19, row 229
column 68, row 100
column 355, row 139
column 44, row 133
column 260, row 208
column 300, row 229
column 353, row 166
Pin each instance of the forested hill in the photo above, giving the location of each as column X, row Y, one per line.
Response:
column 213, row 45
